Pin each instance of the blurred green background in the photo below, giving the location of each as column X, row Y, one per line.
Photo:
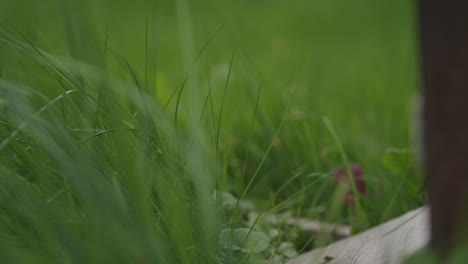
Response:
column 199, row 65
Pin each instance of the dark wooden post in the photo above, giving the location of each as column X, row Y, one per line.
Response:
column 444, row 46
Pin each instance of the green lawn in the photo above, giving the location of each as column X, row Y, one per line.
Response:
column 129, row 130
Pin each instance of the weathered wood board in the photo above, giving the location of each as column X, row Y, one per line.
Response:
column 389, row 242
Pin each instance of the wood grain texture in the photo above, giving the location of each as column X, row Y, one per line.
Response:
column 389, row 243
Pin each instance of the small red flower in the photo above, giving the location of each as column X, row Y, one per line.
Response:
column 341, row 176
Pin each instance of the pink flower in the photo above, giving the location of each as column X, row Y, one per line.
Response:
column 341, row 176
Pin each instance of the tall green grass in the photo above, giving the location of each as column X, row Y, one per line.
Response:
column 122, row 124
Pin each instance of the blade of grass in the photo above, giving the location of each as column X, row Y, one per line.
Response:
column 6, row 141
column 218, row 132
column 359, row 210
column 252, row 125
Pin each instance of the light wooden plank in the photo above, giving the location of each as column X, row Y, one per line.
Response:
column 389, row 243
column 306, row 225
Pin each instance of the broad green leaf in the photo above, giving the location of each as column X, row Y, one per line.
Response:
column 244, row 239
column 229, row 201
column 287, row 249
column 396, row 160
